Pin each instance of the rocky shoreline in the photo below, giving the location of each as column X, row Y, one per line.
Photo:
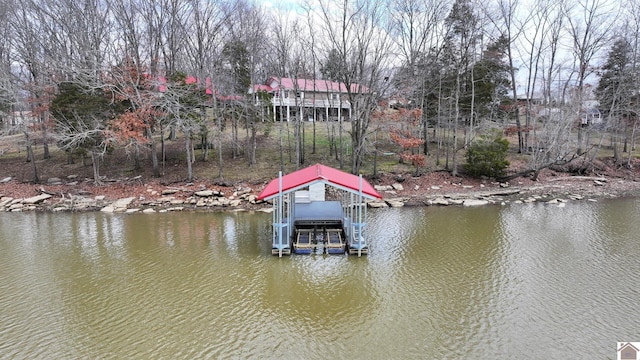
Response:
column 574, row 188
column 50, row 198
column 55, row 197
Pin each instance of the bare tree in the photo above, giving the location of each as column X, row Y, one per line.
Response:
column 295, row 50
column 532, row 49
column 462, row 39
column 551, row 141
column 31, row 54
column 7, row 78
column 632, row 8
column 131, row 79
column 358, row 31
column 416, row 32
column 246, row 33
column 277, row 58
column 590, row 24
column 182, row 102
column 510, row 27
column 206, row 31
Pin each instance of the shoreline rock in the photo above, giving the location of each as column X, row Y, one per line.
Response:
column 395, row 195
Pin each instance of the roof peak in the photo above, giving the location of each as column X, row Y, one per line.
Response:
column 315, row 173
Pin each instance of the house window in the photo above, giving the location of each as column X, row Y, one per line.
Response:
column 335, row 96
column 299, row 95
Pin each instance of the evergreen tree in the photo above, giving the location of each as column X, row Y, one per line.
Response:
column 81, row 115
column 333, row 68
column 459, row 55
column 6, row 101
column 82, row 121
column 488, row 157
column 615, row 86
column 236, row 55
column 491, row 77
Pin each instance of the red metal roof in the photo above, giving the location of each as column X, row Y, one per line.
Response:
column 193, row 80
column 318, row 173
column 278, row 83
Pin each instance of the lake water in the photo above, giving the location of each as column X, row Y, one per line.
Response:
column 533, row 281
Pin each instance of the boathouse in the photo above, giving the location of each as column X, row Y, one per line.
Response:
column 305, row 221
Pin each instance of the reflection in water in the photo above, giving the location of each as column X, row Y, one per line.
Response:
column 492, row 282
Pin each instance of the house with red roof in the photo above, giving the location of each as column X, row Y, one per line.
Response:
column 309, row 99
column 290, row 99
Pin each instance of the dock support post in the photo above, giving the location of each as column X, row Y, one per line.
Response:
column 280, row 214
column 360, row 217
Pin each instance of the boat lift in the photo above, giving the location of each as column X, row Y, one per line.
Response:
column 304, row 223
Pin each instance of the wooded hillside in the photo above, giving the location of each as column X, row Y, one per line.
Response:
column 161, row 81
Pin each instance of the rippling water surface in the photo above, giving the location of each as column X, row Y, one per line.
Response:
column 528, row 281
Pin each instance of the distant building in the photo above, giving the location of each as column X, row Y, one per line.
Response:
column 590, row 116
column 22, row 118
column 314, row 100
column 397, row 102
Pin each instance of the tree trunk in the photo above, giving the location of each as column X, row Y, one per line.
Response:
column 633, row 145
column 253, row 144
column 30, row 156
column 289, row 151
column 340, row 151
column 205, row 134
column 514, row 93
column 220, row 136
column 163, row 149
column 456, row 119
column 234, row 137
column 136, row 157
column 154, row 153
column 302, row 145
column 313, row 148
column 45, row 142
column 95, row 160
column 425, row 133
column 580, row 136
column 297, row 138
column 187, row 136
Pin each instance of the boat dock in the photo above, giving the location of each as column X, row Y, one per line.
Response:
column 304, row 222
